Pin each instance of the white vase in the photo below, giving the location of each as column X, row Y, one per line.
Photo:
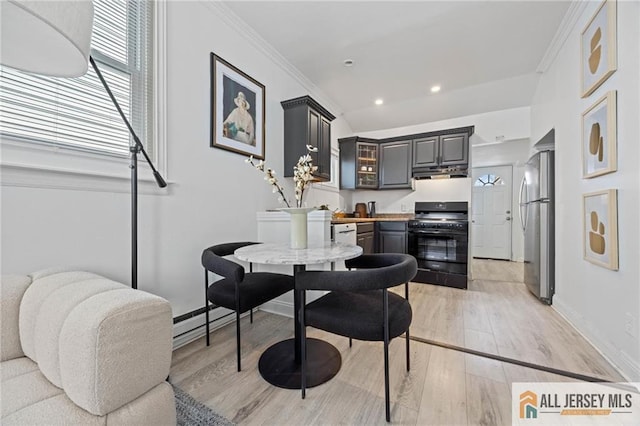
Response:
column 298, row 225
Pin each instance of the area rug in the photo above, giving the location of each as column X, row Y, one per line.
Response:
column 193, row 413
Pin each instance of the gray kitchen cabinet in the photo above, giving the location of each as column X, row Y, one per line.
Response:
column 306, row 122
column 358, row 163
column 425, row 152
column 391, row 163
column 365, row 237
column 454, row 149
column 395, row 165
column 444, row 150
column 392, row 237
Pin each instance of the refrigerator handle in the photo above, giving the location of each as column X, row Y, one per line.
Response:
column 521, row 204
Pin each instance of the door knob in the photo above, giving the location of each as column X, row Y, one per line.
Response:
column 508, row 218
column 508, row 212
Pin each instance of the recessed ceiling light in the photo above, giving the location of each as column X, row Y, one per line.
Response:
column 379, row 101
column 348, row 62
column 435, row 89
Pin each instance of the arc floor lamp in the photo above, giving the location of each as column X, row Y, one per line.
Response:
column 53, row 38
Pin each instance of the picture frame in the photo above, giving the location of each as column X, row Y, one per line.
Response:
column 598, row 50
column 599, row 137
column 237, row 110
column 600, row 227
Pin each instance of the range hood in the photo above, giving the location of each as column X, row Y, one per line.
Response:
column 441, row 172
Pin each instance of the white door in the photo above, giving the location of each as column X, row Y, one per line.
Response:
column 491, row 212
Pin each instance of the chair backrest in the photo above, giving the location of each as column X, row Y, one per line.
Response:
column 376, row 271
column 213, row 261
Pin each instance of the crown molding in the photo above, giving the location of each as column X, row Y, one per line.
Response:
column 570, row 19
column 225, row 13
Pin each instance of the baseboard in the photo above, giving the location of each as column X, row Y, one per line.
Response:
column 282, row 307
column 620, row 360
column 278, row 307
column 194, row 328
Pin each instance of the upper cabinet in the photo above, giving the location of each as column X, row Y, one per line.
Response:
column 445, row 150
column 358, row 163
column 426, row 151
column 306, row 122
column 391, row 163
column 395, row 165
column 454, row 149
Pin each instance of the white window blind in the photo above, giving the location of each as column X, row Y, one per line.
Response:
column 77, row 112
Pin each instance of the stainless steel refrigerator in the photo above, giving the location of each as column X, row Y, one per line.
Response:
column 538, row 225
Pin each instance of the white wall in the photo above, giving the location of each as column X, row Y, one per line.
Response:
column 514, row 153
column 213, row 197
column 596, row 300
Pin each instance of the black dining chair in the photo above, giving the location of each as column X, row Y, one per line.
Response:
column 237, row 290
column 359, row 305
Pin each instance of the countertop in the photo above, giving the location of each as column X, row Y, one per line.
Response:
column 381, row 217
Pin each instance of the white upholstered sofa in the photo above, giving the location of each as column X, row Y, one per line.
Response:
column 77, row 348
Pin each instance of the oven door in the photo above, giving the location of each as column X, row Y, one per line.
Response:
column 439, row 250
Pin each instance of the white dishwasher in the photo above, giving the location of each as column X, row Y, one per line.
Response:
column 345, row 233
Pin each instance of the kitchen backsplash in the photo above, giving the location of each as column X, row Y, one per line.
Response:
column 398, row 201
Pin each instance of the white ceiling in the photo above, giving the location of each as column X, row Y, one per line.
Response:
column 484, row 54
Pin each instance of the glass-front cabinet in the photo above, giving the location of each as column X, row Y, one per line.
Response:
column 367, row 165
column 359, row 161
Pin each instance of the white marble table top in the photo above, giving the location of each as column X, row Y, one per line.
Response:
column 282, row 254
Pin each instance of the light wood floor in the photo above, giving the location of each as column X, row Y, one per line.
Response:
column 443, row 386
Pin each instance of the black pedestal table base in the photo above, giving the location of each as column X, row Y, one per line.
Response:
column 278, row 366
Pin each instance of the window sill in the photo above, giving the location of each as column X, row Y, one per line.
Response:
column 29, row 176
column 28, row 166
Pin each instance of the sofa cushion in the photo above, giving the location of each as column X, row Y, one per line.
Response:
column 155, row 407
column 56, row 410
column 33, row 299
column 26, row 387
column 16, row 367
column 52, row 316
column 114, row 347
column 12, row 289
column 104, row 343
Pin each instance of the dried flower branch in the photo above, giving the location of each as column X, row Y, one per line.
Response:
column 270, row 176
column 302, row 176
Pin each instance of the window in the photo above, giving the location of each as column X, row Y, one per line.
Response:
column 489, row 180
column 77, row 113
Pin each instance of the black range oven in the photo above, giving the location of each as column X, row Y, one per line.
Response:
column 439, row 239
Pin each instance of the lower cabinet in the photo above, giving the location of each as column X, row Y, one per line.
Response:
column 365, row 237
column 392, row 237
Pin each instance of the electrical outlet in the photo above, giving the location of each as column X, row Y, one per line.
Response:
column 403, row 207
column 629, row 324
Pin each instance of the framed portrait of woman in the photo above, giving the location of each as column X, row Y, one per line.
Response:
column 237, row 110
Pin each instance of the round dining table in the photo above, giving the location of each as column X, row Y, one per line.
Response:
column 280, row 363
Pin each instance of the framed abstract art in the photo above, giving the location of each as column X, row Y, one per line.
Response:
column 599, row 130
column 600, row 224
column 598, row 48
